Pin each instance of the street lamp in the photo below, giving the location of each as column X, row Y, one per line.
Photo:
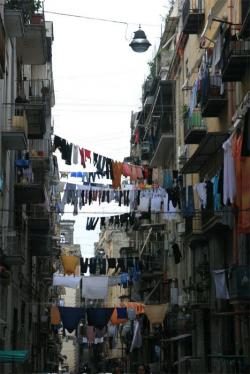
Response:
column 140, row 42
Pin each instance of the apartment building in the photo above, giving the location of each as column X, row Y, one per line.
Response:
column 29, row 190
column 195, row 102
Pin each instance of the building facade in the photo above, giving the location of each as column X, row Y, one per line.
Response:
column 29, row 179
column 194, row 116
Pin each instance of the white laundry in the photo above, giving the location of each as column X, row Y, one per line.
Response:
column 156, row 203
column 169, row 211
column 95, row 287
column 75, row 152
column 202, row 193
column 70, row 281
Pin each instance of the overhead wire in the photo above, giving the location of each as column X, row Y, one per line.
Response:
column 99, row 19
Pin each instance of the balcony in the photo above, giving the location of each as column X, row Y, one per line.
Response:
column 213, row 98
column 39, row 217
column 239, row 284
column 236, row 59
column 15, row 129
column 13, row 248
column 32, row 46
column 209, row 146
column 212, row 219
column 164, row 139
column 194, row 128
column 40, row 243
column 193, row 16
column 28, row 189
column 35, row 96
column 39, row 153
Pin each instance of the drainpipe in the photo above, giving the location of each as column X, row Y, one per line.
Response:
column 231, row 110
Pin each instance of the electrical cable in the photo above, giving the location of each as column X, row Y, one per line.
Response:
column 98, row 19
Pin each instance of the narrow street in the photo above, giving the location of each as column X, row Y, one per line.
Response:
column 125, row 187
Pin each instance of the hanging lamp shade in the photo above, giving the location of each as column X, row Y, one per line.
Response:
column 140, row 42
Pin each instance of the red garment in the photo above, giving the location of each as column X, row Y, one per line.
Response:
column 242, row 171
column 87, row 154
column 83, row 160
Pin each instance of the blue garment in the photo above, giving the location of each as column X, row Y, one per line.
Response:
column 167, row 179
column 99, row 317
column 217, row 196
column 71, row 316
column 124, row 278
column 188, row 202
column 121, row 313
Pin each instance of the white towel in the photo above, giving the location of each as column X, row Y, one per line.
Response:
column 95, row 287
column 66, row 281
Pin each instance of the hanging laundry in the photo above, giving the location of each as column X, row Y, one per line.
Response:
column 115, row 320
column 70, row 281
column 167, row 179
column 117, row 173
column 71, row 317
column 202, row 193
column 176, row 253
column 99, row 317
column 84, row 265
column 126, row 170
column 155, row 314
column 75, row 152
column 242, row 167
column 69, row 264
column 169, row 211
column 55, row 318
column 95, row 287
column 229, row 178
column 220, row 284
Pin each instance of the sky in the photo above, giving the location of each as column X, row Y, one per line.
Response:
column 97, row 76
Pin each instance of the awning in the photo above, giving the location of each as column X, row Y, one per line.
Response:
column 13, row 356
column 179, row 337
column 208, row 147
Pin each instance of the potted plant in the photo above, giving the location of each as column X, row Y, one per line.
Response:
column 29, row 8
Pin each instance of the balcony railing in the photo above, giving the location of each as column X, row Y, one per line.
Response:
column 236, row 59
column 15, row 128
column 29, row 187
column 163, row 138
column 35, row 114
column 239, row 283
column 194, row 128
column 39, row 217
column 13, row 246
column 193, row 16
column 213, row 97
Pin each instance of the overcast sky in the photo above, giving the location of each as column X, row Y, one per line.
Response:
column 97, row 76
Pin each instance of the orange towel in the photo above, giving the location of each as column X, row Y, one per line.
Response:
column 156, row 313
column 69, row 264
